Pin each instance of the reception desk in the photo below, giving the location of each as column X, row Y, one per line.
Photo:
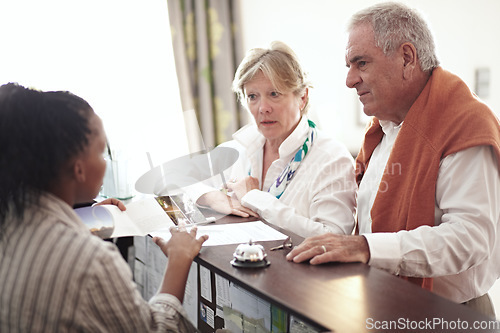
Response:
column 332, row 297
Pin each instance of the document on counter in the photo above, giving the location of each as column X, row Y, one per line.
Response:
column 234, row 233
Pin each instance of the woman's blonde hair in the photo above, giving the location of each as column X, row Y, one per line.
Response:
column 279, row 64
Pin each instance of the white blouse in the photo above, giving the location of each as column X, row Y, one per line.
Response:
column 320, row 198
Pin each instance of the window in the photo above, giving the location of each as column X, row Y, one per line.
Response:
column 116, row 54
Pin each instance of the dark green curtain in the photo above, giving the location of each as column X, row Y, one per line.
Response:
column 207, row 50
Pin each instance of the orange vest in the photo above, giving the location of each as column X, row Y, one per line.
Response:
column 446, row 118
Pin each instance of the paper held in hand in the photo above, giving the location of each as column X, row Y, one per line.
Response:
column 140, row 218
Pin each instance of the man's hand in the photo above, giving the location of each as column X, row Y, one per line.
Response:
column 225, row 204
column 331, row 248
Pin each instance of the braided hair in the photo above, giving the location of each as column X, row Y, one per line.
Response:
column 39, row 134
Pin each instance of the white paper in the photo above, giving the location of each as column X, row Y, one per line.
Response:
column 139, row 271
column 140, row 218
column 234, row 233
column 207, row 315
column 219, row 312
column 210, row 317
column 155, row 268
column 222, row 292
column 191, row 295
column 205, row 284
column 222, row 298
column 140, row 248
column 154, row 280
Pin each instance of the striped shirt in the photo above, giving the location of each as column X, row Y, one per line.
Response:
column 55, row 276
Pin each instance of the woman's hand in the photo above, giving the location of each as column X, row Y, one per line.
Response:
column 225, row 204
column 112, row 201
column 181, row 249
column 243, row 186
column 182, row 244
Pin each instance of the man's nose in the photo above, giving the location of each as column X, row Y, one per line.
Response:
column 352, row 78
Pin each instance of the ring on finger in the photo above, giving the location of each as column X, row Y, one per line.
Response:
column 323, row 248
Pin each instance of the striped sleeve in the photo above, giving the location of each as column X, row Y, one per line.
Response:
column 114, row 304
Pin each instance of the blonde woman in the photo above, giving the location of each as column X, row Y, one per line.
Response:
column 289, row 172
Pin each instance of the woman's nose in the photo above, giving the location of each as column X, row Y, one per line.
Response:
column 265, row 106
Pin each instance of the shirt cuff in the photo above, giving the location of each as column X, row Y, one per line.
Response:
column 194, row 192
column 385, row 251
column 170, row 301
column 258, row 201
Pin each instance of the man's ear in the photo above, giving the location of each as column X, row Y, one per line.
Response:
column 79, row 170
column 410, row 59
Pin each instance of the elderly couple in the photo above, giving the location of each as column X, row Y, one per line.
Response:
column 426, row 183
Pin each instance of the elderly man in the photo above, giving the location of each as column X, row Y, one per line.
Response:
column 428, row 175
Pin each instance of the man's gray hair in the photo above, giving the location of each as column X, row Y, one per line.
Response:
column 394, row 24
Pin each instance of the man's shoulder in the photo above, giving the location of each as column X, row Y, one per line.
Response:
column 448, row 116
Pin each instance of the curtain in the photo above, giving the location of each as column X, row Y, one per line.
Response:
column 207, row 50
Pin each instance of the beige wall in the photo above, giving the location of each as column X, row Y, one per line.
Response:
column 465, row 32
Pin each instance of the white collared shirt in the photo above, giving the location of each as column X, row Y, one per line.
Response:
column 461, row 252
